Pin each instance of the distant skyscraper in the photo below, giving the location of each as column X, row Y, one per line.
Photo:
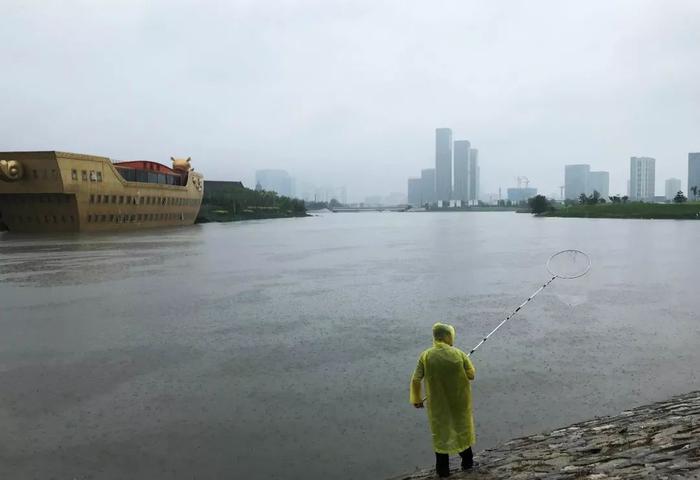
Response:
column 443, row 163
column 599, row 182
column 461, row 171
column 642, row 178
column 427, row 179
column 415, row 192
column 694, row 175
column 673, row 186
column 275, row 181
column 474, row 176
column 576, row 180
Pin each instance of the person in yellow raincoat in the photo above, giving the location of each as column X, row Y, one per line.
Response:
column 447, row 372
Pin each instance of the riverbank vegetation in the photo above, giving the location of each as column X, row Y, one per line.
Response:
column 324, row 205
column 596, row 206
column 628, row 210
column 236, row 202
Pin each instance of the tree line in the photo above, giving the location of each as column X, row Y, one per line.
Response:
column 241, row 199
column 541, row 204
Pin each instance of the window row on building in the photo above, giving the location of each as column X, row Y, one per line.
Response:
column 39, row 219
column 144, row 200
column 32, row 198
column 145, row 176
column 138, row 217
column 96, row 218
column 44, row 174
column 85, row 175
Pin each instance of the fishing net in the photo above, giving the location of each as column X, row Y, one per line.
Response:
column 569, row 264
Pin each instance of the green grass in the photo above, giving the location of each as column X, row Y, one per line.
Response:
column 685, row 211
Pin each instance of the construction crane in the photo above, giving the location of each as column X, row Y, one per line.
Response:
column 522, row 180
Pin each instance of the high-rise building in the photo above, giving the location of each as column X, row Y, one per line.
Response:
column 576, row 180
column 642, row 178
column 673, row 186
column 427, row 180
column 275, row 181
column 599, row 182
column 460, row 190
column 415, row 192
column 474, row 176
column 443, row 163
column 694, row 175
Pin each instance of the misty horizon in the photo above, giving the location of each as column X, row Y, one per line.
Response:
column 350, row 93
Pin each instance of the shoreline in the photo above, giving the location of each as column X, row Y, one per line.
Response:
column 658, row 440
column 243, row 218
column 634, row 210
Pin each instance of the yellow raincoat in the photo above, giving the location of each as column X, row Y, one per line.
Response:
column 447, row 371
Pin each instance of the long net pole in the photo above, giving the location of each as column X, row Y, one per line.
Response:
column 512, row 314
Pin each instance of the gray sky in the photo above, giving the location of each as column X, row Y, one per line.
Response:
column 349, row 93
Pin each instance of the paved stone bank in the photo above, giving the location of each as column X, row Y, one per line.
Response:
column 657, row 441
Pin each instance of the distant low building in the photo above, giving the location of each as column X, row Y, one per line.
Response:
column 213, row 187
column 599, row 182
column 521, row 194
column 489, row 198
column 673, row 186
column 427, row 179
column 415, row 192
column 394, row 198
column 373, row 201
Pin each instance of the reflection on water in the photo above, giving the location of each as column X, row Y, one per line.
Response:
column 285, row 347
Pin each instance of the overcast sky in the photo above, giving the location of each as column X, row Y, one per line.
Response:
column 350, row 93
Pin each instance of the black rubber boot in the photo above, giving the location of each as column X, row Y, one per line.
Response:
column 467, row 458
column 442, row 464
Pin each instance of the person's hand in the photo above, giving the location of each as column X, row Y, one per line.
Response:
column 418, row 405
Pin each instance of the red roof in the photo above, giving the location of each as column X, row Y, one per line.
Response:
column 147, row 165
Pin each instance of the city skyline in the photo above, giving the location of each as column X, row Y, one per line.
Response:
column 533, row 81
column 462, row 168
column 455, row 179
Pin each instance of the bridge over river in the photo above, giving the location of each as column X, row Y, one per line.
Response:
column 395, row 208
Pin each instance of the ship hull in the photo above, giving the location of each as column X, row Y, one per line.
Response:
column 66, row 192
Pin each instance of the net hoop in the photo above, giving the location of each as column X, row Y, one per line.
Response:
column 581, row 273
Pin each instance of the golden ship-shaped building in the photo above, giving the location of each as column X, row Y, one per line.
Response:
column 69, row 192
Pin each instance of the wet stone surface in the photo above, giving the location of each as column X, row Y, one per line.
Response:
column 660, row 441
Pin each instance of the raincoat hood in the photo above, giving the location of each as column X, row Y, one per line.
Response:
column 443, row 333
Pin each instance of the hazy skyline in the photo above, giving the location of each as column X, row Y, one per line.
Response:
column 350, row 93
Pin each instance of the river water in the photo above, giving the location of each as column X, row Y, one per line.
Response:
column 284, row 348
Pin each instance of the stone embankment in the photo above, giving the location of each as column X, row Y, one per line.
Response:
column 658, row 441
